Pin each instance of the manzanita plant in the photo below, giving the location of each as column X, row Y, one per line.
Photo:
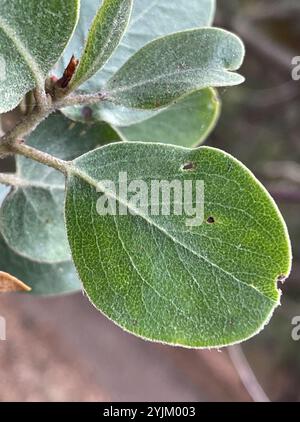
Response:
column 128, row 86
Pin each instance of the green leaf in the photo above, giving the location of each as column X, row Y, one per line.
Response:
column 43, row 278
column 187, row 123
column 105, row 35
column 176, row 65
column 33, row 35
column 201, row 286
column 150, row 19
column 37, row 204
column 29, row 223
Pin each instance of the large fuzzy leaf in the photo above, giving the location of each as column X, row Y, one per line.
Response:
column 150, row 19
column 33, row 35
column 176, row 65
column 204, row 285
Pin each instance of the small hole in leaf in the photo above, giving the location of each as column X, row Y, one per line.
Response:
column 281, row 278
column 210, row 220
column 189, row 166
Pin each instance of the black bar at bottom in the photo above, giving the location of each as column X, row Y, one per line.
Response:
column 135, row 411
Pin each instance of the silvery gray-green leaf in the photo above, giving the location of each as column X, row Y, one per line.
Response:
column 150, row 19
column 37, row 204
column 176, row 65
column 187, row 123
column 30, row 225
column 206, row 285
column 33, row 35
column 44, row 278
column 105, row 34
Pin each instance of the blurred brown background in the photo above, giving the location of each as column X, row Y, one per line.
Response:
column 62, row 349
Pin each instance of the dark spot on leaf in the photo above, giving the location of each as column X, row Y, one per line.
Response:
column 87, row 113
column 189, row 166
column 210, row 220
column 182, row 66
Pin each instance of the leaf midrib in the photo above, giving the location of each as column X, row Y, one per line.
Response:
column 84, row 62
column 143, row 13
column 160, row 78
column 114, row 26
column 75, row 171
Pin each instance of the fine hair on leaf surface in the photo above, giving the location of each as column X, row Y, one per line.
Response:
column 195, row 288
column 128, row 88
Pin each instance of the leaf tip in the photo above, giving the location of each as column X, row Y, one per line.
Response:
column 9, row 283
